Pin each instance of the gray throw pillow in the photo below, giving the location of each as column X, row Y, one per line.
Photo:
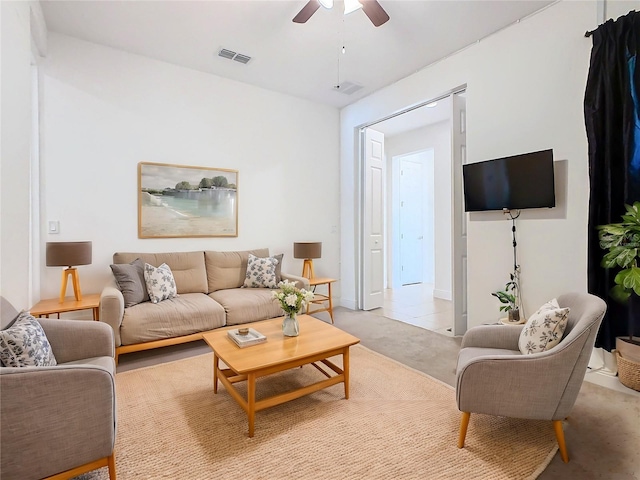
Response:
column 130, row 280
column 25, row 344
column 279, row 267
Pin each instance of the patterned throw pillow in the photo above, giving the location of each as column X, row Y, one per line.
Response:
column 261, row 272
column 544, row 328
column 160, row 282
column 25, row 344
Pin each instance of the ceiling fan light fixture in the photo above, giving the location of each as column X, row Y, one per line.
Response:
column 328, row 4
column 351, row 6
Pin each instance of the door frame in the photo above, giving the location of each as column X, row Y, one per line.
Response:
column 359, row 133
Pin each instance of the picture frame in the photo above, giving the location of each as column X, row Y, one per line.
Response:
column 186, row 201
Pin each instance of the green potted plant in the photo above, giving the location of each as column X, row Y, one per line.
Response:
column 622, row 242
column 509, row 299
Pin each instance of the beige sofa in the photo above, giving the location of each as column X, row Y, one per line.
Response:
column 209, row 296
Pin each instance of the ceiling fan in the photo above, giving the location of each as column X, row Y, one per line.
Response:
column 371, row 8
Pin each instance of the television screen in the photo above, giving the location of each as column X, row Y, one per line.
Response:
column 517, row 182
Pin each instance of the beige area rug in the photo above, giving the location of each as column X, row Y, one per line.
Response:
column 398, row 423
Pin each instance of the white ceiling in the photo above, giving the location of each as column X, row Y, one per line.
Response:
column 298, row 59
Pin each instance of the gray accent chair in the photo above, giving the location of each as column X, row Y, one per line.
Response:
column 59, row 422
column 494, row 378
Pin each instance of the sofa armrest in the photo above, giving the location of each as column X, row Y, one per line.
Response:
column 77, row 339
column 54, row 418
column 112, row 309
column 492, row 336
column 301, row 282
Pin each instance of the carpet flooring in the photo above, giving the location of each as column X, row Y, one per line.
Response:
column 398, row 423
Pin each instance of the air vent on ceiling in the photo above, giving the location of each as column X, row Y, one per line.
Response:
column 231, row 55
column 348, row 88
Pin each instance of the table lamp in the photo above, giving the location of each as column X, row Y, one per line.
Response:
column 308, row 251
column 69, row 254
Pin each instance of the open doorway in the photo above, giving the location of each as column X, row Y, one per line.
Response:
column 420, row 141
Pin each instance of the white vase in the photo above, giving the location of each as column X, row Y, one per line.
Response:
column 290, row 325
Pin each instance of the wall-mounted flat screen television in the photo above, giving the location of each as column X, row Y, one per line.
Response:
column 517, row 182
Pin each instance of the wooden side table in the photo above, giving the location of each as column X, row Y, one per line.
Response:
column 44, row 308
column 325, row 302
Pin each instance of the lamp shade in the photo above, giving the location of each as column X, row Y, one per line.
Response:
column 307, row 250
column 68, row 254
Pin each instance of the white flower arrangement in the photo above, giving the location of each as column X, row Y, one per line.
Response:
column 291, row 298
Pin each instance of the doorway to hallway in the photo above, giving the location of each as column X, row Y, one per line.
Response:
column 416, row 305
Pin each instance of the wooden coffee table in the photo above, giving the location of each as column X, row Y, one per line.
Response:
column 317, row 342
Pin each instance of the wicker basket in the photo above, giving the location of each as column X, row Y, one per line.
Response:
column 628, row 372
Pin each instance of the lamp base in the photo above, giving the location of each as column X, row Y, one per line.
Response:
column 75, row 280
column 307, row 269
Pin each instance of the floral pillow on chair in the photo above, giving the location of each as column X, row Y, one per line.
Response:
column 25, row 344
column 544, row 328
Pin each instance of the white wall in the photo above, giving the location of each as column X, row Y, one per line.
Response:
column 105, row 110
column 15, row 91
column 525, row 87
column 437, row 137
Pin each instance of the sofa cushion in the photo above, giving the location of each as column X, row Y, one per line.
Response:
column 261, row 272
column 130, row 280
column 183, row 315
column 160, row 282
column 187, row 267
column 244, row 305
column 25, row 344
column 228, row 269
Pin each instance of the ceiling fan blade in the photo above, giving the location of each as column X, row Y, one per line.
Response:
column 375, row 12
column 306, row 12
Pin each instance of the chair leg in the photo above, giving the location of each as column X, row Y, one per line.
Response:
column 111, row 463
column 557, row 426
column 464, row 423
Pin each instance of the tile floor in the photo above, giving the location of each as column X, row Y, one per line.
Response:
column 416, row 305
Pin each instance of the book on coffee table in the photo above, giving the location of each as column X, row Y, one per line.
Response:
column 253, row 337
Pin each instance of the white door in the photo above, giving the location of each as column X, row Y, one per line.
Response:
column 411, row 221
column 373, row 221
column 459, row 147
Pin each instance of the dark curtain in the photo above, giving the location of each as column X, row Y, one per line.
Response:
column 612, row 119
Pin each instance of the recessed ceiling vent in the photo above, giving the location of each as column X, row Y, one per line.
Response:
column 231, row 55
column 348, row 88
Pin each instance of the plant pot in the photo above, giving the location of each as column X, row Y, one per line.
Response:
column 627, row 349
column 514, row 315
column 628, row 358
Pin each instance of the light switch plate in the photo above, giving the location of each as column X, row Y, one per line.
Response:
column 54, row 226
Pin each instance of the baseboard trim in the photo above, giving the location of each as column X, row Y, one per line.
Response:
column 350, row 304
column 443, row 294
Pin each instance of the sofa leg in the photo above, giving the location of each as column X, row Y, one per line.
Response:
column 111, row 463
column 464, row 423
column 562, row 446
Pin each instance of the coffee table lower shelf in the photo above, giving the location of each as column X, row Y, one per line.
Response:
column 250, row 405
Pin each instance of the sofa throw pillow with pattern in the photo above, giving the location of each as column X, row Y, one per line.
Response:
column 261, row 272
column 544, row 328
column 130, row 280
column 25, row 344
column 160, row 282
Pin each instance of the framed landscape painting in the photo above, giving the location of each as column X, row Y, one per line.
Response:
column 185, row 201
